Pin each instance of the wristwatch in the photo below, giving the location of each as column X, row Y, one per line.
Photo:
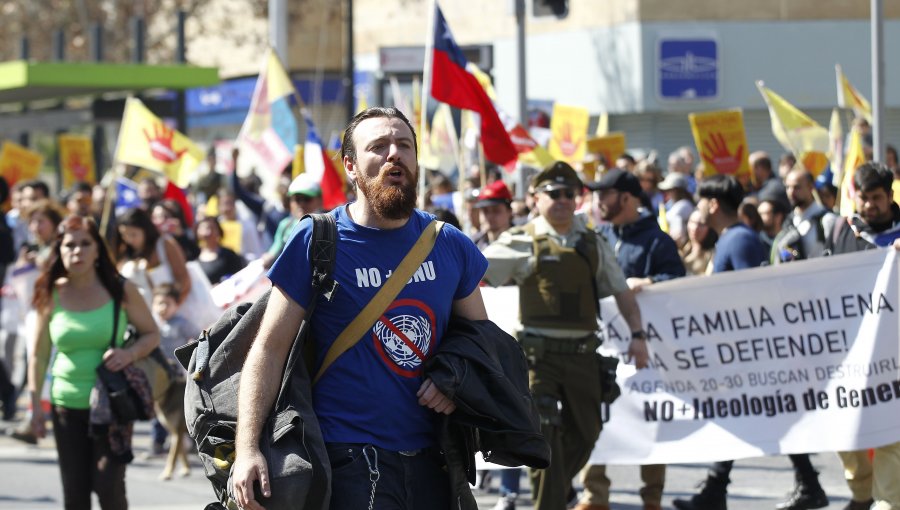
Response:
column 638, row 335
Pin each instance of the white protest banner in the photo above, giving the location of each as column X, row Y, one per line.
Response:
column 796, row 358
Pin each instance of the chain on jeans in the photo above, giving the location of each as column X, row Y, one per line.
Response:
column 374, row 475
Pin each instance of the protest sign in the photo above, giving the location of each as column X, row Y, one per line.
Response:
column 76, row 159
column 749, row 363
column 569, row 131
column 611, row 146
column 722, row 142
column 18, row 163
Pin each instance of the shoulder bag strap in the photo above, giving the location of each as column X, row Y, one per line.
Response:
column 323, row 248
column 385, row 296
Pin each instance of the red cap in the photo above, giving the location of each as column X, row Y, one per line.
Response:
column 494, row 193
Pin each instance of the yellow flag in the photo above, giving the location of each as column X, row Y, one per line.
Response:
column 661, row 218
column 796, row 131
column 722, row 142
column 18, row 163
column 297, row 166
column 849, row 97
column 145, row 141
column 568, row 128
column 855, row 157
column 277, row 82
column 76, row 159
column 602, row 125
column 441, row 150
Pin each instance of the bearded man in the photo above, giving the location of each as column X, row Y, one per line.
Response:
column 376, row 410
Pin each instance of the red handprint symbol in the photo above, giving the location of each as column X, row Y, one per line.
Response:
column 719, row 157
column 567, row 145
column 79, row 170
column 161, row 144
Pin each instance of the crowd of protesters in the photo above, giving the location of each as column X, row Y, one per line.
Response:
column 697, row 223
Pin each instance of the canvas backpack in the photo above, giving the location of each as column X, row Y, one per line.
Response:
column 291, row 442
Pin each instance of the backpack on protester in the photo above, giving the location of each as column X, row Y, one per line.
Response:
column 291, row 440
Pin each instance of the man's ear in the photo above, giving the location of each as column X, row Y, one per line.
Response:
column 349, row 167
column 713, row 205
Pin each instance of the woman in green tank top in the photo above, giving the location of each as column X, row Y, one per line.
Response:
column 74, row 298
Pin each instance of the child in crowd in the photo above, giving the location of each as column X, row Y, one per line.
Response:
column 174, row 331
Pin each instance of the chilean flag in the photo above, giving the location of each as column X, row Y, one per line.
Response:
column 453, row 84
column 317, row 164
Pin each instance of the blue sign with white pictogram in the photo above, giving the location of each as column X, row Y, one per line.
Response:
column 688, row 69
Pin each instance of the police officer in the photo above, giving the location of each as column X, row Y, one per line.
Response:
column 562, row 268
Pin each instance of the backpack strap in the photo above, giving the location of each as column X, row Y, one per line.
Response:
column 384, row 297
column 322, row 250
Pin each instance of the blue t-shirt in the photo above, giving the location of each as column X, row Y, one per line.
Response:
column 739, row 247
column 369, row 394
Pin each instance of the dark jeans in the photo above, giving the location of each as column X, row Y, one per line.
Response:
column 86, row 464
column 415, row 481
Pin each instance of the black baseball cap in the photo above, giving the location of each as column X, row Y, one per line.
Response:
column 618, row 179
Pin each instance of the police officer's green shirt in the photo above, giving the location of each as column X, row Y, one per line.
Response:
column 511, row 259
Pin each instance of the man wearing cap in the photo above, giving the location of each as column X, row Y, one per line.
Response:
column 494, row 213
column 304, row 197
column 563, row 268
column 646, row 255
column 679, row 205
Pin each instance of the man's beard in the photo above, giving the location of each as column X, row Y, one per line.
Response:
column 387, row 200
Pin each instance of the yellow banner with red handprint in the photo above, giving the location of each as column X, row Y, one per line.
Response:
column 722, row 142
column 610, row 147
column 18, row 163
column 76, row 159
column 568, row 129
column 145, row 141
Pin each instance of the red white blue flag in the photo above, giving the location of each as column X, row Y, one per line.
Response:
column 454, row 84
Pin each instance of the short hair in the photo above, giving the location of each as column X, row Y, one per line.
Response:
column 764, row 162
column 724, row 188
column 871, row 176
column 169, row 290
column 778, row 206
column 37, row 184
column 627, row 157
column 348, row 149
column 804, row 174
column 81, row 186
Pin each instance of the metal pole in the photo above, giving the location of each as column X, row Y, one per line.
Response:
column 349, row 92
column 97, row 42
column 278, row 37
column 59, row 45
column 181, row 58
column 520, row 35
column 877, row 80
column 137, row 32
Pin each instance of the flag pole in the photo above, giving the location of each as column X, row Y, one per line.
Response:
column 426, row 91
column 111, row 186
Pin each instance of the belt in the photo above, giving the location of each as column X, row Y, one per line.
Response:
column 581, row 345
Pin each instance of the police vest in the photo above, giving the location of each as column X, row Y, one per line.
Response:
column 560, row 292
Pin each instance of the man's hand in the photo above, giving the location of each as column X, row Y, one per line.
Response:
column 249, row 467
column 432, row 398
column 637, row 352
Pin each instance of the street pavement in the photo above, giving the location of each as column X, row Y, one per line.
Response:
column 30, row 481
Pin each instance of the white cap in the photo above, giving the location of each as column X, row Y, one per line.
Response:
column 304, row 184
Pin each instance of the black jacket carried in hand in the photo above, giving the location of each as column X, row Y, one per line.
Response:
column 483, row 370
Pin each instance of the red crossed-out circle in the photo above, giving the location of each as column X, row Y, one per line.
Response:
column 422, row 356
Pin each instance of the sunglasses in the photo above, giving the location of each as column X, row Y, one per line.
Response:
column 555, row 194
